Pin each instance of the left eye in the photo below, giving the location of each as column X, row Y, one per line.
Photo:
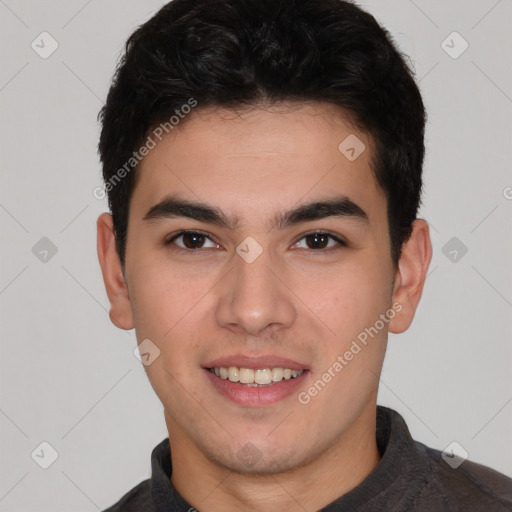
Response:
column 319, row 240
column 191, row 240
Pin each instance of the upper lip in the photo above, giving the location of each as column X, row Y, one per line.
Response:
column 255, row 362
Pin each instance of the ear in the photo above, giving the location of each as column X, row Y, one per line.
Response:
column 410, row 275
column 115, row 285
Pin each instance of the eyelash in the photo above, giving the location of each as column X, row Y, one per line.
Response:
column 341, row 243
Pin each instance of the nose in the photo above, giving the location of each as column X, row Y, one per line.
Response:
column 254, row 297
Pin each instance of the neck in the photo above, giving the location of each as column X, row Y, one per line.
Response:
column 213, row 488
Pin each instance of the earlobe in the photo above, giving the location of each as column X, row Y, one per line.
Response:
column 113, row 278
column 410, row 275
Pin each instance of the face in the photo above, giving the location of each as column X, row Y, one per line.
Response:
column 232, row 275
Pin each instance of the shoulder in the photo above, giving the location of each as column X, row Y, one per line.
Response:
column 134, row 500
column 468, row 486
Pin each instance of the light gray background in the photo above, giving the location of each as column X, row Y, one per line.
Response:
column 69, row 377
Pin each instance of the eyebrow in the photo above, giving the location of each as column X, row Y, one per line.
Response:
column 172, row 207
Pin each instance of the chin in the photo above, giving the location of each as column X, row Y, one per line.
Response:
column 256, row 463
column 259, row 458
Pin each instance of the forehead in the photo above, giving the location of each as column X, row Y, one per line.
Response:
column 260, row 159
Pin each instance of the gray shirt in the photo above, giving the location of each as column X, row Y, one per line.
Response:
column 409, row 477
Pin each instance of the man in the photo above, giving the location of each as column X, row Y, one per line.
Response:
column 263, row 160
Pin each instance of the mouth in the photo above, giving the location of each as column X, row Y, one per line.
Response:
column 255, row 377
column 255, row 381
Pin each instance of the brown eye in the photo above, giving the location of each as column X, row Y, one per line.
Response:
column 191, row 240
column 319, row 241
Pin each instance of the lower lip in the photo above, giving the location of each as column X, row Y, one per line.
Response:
column 255, row 396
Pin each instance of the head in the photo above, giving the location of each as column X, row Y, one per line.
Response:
column 289, row 137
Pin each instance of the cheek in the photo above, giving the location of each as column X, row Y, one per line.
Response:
column 349, row 299
column 169, row 307
column 163, row 293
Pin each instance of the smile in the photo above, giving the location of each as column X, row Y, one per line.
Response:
column 255, row 377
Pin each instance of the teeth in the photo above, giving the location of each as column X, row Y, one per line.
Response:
column 277, row 374
column 246, row 376
column 260, row 376
column 233, row 374
column 263, row 376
